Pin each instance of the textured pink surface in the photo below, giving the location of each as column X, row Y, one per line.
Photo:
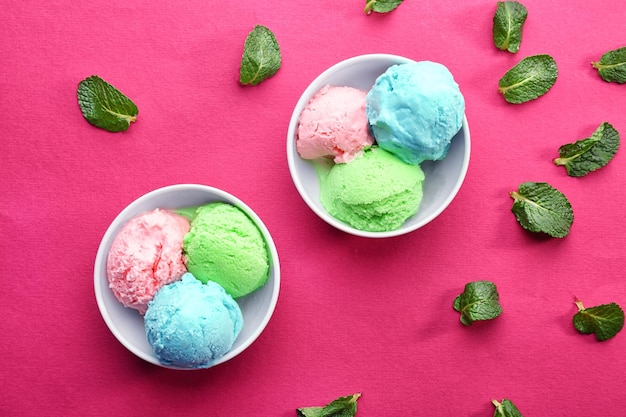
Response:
column 145, row 255
column 334, row 124
column 373, row 316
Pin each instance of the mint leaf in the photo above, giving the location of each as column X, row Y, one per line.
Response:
column 381, row 6
column 586, row 155
column 530, row 78
column 261, row 56
column 505, row 409
column 479, row 301
column 309, row 412
column 508, row 23
column 612, row 66
column 341, row 407
column 539, row 207
column 104, row 106
column 605, row 320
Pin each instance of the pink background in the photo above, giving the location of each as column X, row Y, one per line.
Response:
column 354, row 315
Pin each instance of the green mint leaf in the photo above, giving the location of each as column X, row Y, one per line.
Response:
column 539, row 207
column 612, row 66
column 530, row 78
column 508, row 23
column 381, row 6
column 479, row 301
column 261, row 56
column 309, row 412
column 505, row 408
column 341, row 407
column 605, row 320
column 104, row 106
column 586, row 155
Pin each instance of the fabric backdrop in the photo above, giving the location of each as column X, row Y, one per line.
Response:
column 354, row 314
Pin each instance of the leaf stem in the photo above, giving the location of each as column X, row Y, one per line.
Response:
column 369, row 5
column 530, row 77
column 517, row 197
column 126, row 117
column 563, row 161
column 598, row 65
column 579, row 304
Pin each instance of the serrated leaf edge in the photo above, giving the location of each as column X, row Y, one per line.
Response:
column 519, row 198
column 370, row 6
column 508, row 7
column 596, row 319
column 596, row 137
column 87, row 84
column 255, row 79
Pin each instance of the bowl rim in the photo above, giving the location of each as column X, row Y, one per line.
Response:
column 122, row 218
column 313, row 86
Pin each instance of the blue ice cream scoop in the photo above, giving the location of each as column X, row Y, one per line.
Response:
column 190, row 324
column 414, row 110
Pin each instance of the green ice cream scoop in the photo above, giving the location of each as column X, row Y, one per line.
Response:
column 225, row 246
column 375, row 192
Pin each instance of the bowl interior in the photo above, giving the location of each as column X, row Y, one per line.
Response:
column 443, row 178
column 127, row 324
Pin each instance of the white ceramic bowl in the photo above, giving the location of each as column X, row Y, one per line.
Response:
column 127, row 324
column 443, row 178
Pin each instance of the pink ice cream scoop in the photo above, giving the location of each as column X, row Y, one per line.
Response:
column 146, row 254
column 334, row 125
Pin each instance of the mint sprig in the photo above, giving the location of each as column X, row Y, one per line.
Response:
column 505, row 408
column 586, row 155
column 381, row 6
column 104, row 106
column 508, row 22
column 539, row 207
column 529, row 79
column 605, row 320
column 478, row 301
column 612, row 66
column 261, row 57
column 341, row 407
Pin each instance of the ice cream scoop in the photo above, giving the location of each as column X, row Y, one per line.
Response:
column 334, row 125
column 224, row 245
column 414, row 110
column 375, row 192
column 145, row 255
column 190, row 324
